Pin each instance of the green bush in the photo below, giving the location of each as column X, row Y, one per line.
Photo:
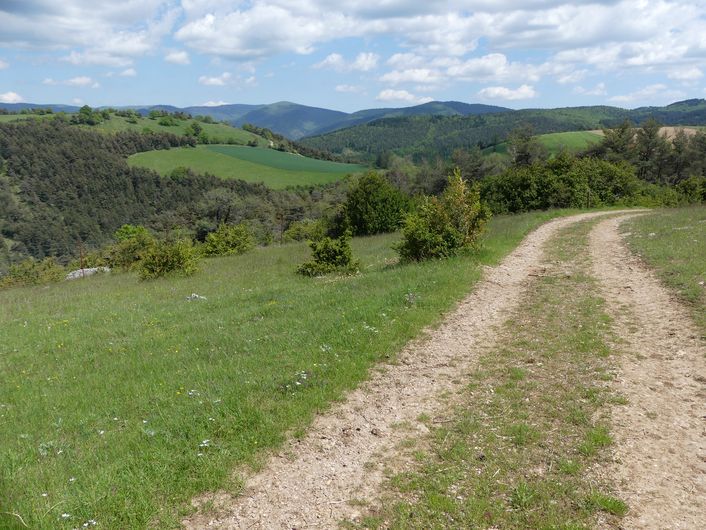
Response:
column 165, row 257
column 330, row 255
column 306, row 229
column 33, row 272
column 228, row 239
column 443, row 226
column 134, row 242
column 373, row 206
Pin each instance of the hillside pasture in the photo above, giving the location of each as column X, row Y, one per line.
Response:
column 274, row 168
column 573, row 142
column 122, row 399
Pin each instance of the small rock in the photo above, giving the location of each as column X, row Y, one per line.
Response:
column 195, row 296
column 375, row 432
column 82, row 273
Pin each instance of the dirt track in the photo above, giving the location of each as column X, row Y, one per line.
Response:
column 309, row 482
column 660, row 455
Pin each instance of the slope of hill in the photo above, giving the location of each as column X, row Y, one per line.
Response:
column 273, row 168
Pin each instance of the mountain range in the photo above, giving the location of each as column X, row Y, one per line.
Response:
column 453, row 123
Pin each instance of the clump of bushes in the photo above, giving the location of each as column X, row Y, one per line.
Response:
column 443, row 226
column 305, row 230
column 228, row 239
column 133, row 244
column 169, row 257
column 330, row 255
column 33, row 272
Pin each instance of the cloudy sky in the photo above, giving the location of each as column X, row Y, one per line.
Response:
column 352, row 54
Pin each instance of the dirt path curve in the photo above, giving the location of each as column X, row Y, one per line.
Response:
column 309, row 482
column 660, row 434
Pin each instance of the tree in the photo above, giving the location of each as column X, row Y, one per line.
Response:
column 523, row 146
column 374, row 206
column 652, row 152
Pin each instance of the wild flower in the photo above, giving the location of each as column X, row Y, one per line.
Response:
column 65, row 515
column 72, row 479
column 205, row 443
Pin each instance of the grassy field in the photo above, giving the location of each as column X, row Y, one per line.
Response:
column 274, row 168
column 121, row 400
column 7, row 118
column 573, row 142
column 518, row 452
column 674, row 243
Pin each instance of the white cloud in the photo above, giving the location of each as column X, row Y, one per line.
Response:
column 689, row 73
column 177, row 57
column 364, row 62
column 3, row 64
column 413, row 75
column 349, row 89
column 213, row 103
column 80, row 81
column 501, row 92
column 11, row 97
column 220, row 80
column 129, row 72
column 401, row 96
column 77, row 101
column 598, row 90
column 650, row 93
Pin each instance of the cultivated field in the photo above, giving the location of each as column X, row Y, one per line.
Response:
column 274, row 168
column 125, row 399
column 573, row 142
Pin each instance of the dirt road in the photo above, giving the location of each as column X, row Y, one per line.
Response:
column 310, row 482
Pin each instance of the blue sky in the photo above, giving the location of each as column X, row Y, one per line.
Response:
column 351, row 54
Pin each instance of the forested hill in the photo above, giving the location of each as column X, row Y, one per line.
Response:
column 61, row 185
column 431, row 136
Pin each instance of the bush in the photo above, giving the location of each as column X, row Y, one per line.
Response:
column 228, row 239
column 373, row 206
column 441, row 227
column 134, row 242
column 179, row 257
column 306, row 229
column 330, row 255
column 33, row 272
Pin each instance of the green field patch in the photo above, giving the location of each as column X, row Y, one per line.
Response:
column 121, row 399
column 273, row 168
column 573, row 142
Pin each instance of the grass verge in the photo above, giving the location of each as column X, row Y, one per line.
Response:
column 121, row 400
column 519, row 450
column 673, row 242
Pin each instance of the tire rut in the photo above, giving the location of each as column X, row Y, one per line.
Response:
column 660, row 435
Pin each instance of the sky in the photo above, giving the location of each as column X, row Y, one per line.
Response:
column 351, row 54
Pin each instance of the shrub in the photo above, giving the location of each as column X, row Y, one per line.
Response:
column 165, row 257
column 443, row 226
column 228, row 239
column 330, row 255
column 33, row 272
column 306, row 229
column 373, row 206
column 134, row 242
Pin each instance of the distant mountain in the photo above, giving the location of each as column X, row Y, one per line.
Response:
column 438, row 135
column 436, row 108
column 290, row 119
column 18, row 107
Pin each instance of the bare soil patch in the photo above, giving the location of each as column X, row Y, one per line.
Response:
column 311, row 482
column 660, row 449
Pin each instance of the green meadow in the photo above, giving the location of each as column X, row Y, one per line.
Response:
column 122, row 399
column 573, row 142
column 275, row 169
